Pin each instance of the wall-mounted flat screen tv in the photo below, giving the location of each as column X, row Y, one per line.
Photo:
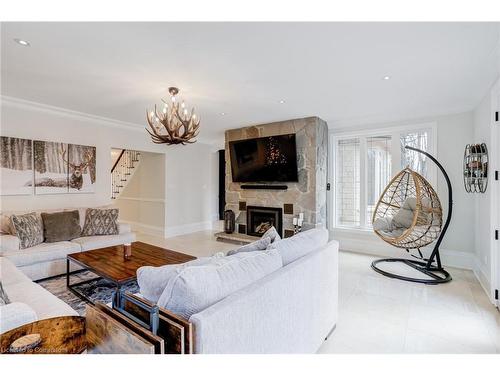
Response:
column 266, row 159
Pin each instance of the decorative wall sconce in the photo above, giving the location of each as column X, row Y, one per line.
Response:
column 476, row 168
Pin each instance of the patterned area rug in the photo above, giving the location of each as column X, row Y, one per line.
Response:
column 98, row 290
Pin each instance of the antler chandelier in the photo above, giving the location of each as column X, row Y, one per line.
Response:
column 173, row 124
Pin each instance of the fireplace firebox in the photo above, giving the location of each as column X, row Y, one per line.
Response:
column 260, row 219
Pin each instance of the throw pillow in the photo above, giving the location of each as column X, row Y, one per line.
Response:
column 195, row 288
column 153, row 280
column 260, row 244
column 100, row 222
column 273, row 234
column 28, row 228
column 4, row 299
column 61, row 226
column 297, row 246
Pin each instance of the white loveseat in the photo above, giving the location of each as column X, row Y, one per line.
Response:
column 29, row 301
column 49, row 259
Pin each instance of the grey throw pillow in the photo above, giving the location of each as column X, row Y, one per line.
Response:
column 261, row 244
column 100, row 222
column 273, row 234
column 61, row 226
column 4, row 299
column 28, row 228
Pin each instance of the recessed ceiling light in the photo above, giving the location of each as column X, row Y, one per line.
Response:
column 386, row 78
column 282, row 101
column 223, row 113
column 22, row 42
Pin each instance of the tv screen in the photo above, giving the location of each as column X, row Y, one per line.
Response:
column 267, row 159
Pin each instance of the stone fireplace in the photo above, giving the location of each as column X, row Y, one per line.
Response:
column 260, row 219
column 307, row 196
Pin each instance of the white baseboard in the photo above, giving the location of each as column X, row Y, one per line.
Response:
column 146, row 229
column 368, row 243
column 482, row 277
column 179, row 230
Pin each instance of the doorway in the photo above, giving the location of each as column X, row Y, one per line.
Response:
column 138, row 187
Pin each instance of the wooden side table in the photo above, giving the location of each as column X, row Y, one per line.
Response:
column 61, row 335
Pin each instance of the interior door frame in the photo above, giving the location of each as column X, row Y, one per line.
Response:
column 495, row 192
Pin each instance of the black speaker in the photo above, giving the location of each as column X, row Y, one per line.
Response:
column 222, row 183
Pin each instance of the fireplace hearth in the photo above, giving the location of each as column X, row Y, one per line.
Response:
column 260, row 219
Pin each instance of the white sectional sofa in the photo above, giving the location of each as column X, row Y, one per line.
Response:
column 49, row 259
column 238, row 304
column 29, row 301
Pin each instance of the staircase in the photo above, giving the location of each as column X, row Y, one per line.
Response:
column 122, row 171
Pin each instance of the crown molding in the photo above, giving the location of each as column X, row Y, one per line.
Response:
column 15, row 102
column 64, row 112
column 348, row 124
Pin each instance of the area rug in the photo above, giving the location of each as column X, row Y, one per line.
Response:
column 98, row 290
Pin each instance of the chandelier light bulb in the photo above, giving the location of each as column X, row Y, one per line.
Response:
column 165, row 109
column 185, row 111
column 152, row 113
column 183, row 105
column 194, row 116
column 173, row 98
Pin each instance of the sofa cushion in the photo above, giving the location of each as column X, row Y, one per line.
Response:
column 61, row 226
column 153, row 280
column 273, row 234
column 99, row 222
column 28, row 229
column 14, row 315
column 96, row 242
column 260, row 244
column 44, row 252
column 195, row 288
column 297, row 246
column 124, row 228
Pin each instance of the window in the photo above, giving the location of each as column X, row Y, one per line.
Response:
column 364, row 163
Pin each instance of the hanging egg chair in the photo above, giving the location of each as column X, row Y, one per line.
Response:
column 409, row 215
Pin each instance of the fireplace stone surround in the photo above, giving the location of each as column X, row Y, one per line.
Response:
column 308, row 195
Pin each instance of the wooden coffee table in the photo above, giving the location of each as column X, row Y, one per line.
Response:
column 109, row 263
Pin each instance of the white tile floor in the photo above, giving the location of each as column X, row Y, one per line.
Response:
column 382, row 315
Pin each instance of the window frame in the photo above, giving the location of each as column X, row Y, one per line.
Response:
column 395, row 132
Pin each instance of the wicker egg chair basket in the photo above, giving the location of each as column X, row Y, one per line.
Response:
column 427, row 216
column 426, row 227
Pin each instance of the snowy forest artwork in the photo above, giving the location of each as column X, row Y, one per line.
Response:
column 51, row 167
column 82, row 173
column 46, row 167
column 16, row 172
column 63, row 168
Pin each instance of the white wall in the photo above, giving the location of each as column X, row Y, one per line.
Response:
column 453, row 132
column 189, row 171
column 191, row 197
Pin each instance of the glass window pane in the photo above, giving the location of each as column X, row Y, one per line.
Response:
column 348, row 182
column 412, row 159
column 378, row 171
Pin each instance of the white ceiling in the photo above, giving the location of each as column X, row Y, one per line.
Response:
column 332, row 70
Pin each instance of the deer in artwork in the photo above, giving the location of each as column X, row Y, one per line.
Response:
column 77, row 170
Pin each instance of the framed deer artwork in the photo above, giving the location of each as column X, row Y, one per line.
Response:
column 82, row 168
column 62, row 168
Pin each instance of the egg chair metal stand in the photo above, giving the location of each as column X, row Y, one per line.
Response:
column 412, row 238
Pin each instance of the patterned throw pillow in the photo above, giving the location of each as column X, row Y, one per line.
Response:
column 28, row 228
column 4, row 299
column 100, row 222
